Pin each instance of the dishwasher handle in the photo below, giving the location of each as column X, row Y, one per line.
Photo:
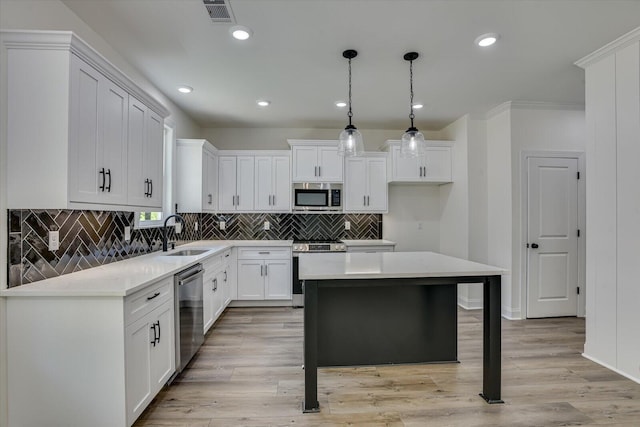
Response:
column 189, row 275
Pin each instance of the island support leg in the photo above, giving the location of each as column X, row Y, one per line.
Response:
column 491, row 345
column 310, row 403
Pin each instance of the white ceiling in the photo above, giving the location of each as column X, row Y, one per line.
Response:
column 295, row 57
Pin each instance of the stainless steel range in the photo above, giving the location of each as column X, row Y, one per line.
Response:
column 309, row 246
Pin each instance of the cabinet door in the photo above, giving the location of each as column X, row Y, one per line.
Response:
column 227, row 183
column 377, row 185
column 138, row 337
column 437, row 163
column 154, row 157
column 263, row 183
column 218, row 295
column 404, row 169
column 210, row 181
column 207, row 299
column 244, row 183
column 84, row 156
column 226, row 286
column 138, row 181
column 356, row 185
column 163, row 360
column 113, row 143
column 250, row 280
column 330, row 165
column 281, row 189
column 305, row 164
column 278, row 279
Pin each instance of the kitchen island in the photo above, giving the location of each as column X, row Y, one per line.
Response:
column 392, row 307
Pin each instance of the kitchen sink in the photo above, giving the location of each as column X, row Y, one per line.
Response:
column 188, row 252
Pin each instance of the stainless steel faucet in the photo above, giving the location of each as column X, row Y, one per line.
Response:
column 164, row 230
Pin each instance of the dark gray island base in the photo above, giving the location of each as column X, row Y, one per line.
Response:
column 372, row 321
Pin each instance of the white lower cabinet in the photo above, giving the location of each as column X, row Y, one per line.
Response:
column 264, row 273
column 217, row 289
column 81, row 360
column 150, row 357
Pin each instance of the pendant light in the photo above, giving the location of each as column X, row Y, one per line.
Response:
column 412, row 144
column 350, row 143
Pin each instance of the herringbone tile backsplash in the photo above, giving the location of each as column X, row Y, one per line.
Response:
column 93, row 238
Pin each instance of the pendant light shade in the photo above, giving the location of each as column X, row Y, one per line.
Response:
column 412, row 144
column 350, row 143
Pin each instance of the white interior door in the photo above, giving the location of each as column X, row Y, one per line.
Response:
column 552, row 269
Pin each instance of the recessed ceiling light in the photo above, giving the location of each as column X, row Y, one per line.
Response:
column 240, row 32
column 418, row 105
column 341, row 104
column 185, row 89
column 487, row 39
column 263, row 103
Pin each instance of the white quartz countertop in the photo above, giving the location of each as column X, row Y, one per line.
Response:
column 383, row 265
column 377, row 242
column 125, row 277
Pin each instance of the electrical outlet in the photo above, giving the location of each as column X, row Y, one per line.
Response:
column 347, row 225
column 266, row 226
column 127, row 233
column 178, row 227
column 195, row 226
column 54, row 240
column 223, row 225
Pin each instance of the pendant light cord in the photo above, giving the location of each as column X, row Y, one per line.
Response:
column 411, row 115
column 350, row 114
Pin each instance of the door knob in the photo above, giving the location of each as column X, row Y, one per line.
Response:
column 534, row 245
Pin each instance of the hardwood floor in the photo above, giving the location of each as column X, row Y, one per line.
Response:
column 248, row 373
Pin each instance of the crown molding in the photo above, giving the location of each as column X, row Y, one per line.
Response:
column 68, row 41
column 631, row 37
column 532, row 105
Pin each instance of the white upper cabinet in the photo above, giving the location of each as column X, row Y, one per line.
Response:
column 435, row 167
column 366, row 183
column 272, row 183
column 236, row 183
column 316, row 161
column 145, row 139
column 69, row 117
column 196, row 176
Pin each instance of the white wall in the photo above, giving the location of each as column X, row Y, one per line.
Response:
column 536, row 128
column 499, row 201
column 613, row 205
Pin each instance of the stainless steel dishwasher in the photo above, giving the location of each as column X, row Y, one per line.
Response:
column 188, row 314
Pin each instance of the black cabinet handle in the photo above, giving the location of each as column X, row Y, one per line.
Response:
column 154, row 296
column 146, row 188
column 215, row 285
column 155, row 336
column 103, row 179
column 534, row 245
column 150, row 188
column 158, row 323
column 109, row 186
column 225, row 276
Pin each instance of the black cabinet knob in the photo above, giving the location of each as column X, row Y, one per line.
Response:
column 534, row 245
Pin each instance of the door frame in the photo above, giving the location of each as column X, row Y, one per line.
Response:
column 524, row 218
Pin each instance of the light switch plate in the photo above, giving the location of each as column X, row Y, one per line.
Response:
column 266, row 226
column 347, row 225
column 54, row 240
column 127, row 233
column 223, row 225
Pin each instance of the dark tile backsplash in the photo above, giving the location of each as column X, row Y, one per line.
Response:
column 93, row 238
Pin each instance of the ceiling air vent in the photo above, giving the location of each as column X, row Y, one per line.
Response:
column 219, row 11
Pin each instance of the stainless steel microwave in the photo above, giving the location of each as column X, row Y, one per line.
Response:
column 309, row 197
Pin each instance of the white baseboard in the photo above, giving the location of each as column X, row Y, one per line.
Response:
column 616, row 370
column 269, row 303
column 470, row 303
column 509, row 314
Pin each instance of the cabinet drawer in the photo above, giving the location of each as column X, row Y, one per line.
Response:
column 264, row 253
column 147, row 299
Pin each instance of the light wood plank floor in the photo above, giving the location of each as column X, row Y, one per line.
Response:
column 248, row 373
